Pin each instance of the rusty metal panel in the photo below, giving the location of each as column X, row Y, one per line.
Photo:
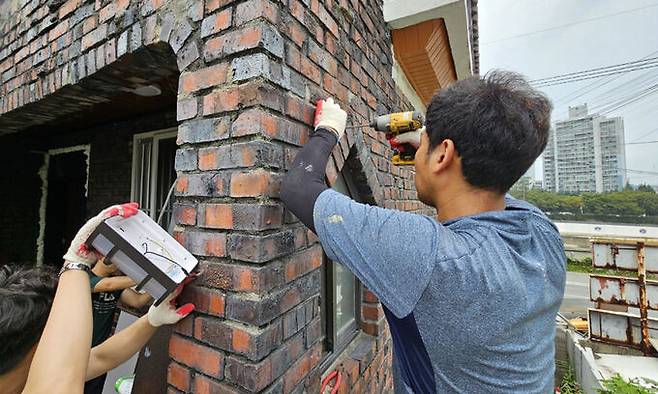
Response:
column 602, row 255
column 618, row 327
column 623, row 291
column 622, row 255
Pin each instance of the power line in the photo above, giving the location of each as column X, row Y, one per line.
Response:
column 640, row 143
column 567, row 25
column 600, row 75
column 647, row 134
column 597, row 69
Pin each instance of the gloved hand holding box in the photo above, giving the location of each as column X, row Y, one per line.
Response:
column 145, row 252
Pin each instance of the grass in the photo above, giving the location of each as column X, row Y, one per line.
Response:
column 617, row 385
column 569, row 385
column 585, row 266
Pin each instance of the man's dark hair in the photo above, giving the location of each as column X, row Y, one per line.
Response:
column 26, row 295
column 499, row 125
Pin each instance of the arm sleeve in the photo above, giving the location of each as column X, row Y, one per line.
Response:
column 93, row 281
column 306, row 178
column 393, row 253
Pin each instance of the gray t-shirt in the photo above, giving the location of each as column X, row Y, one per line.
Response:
column 471, row 303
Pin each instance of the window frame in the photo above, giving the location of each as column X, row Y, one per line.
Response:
column 137, row 172
column 336, row 342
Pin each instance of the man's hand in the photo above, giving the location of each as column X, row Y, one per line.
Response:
column 166, row 312
column 329, row 115
column 78, row 251
column 412, row 138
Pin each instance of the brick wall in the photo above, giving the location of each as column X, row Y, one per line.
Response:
column 250, row 73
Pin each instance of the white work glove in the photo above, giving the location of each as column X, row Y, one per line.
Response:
column 78, row 251
column 329, row 115
column 412, row 138
column 166, row 312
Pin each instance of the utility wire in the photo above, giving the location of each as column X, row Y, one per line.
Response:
column 600, row 75
column 568, row 24
column 633, row 63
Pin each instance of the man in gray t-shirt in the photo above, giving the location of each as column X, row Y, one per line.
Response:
column 471, row 295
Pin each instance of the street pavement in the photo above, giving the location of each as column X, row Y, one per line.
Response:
column 576, row 295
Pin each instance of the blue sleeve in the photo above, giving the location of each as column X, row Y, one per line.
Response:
column 393, row 253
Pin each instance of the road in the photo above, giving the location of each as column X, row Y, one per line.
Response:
column 576, row 295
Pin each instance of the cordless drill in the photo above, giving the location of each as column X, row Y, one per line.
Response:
column 398, row 123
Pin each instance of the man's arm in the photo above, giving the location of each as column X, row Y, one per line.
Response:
column 392, row 252
column 305, row 179
column 133, row 299
column 114, row 283
column 121, row 346
column 60, row 360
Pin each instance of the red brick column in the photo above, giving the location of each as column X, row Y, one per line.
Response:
column 250, row 73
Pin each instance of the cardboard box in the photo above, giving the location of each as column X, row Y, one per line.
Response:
column 145, row 252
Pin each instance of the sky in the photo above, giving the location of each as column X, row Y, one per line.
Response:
column 544, row 38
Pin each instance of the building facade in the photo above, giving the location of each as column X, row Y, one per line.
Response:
column 585, row 153
column 204, row 104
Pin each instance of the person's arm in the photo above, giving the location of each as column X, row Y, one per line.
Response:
column 61, row 358
column 122, row 345
column 306, row 178
column 133, row 299
column 114, row 283
column 391, row 252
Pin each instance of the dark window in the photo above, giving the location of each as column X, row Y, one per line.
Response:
column 341, row 296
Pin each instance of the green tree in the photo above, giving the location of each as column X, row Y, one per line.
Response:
column 646, row 188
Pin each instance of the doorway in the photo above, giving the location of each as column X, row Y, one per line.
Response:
column 64, row 197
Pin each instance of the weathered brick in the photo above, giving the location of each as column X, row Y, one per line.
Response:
column 253, row 377
column 204, row 130
column 186, row 160
column 212, row 5
column 301, row 368
column 178, row 376
column 180, row 34
column 208, row 301
column 240, row 216
column 60, row 29
column 187, row 108
column 259, row 249
column 255, row 183
column 215, row 23
column 261, row 310
column 94, row 37
column 205, row 243
column 254, row 9
column 197, row 356
column 303, row 262
column 184, row 214
column 187, row 55
column 242, row 278
column 249, row 37
column 204, row 385
column 68, row 8
column 322, row 58
column 243, row 154
column 204, row 78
